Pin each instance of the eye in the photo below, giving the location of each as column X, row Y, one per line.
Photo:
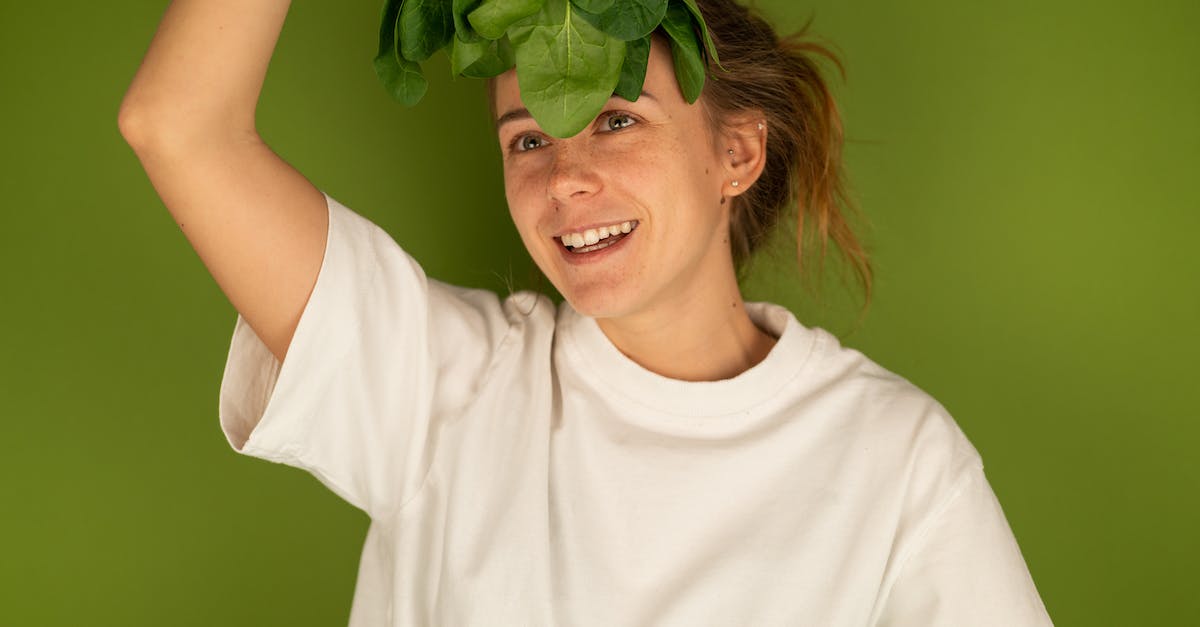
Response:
column 617, row 121
column 525, row 143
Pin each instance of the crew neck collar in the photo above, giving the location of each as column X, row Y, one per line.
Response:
column 593, row 357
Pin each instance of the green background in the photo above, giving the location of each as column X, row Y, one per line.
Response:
column 1030, row 169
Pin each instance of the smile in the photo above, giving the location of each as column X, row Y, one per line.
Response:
column 596, row 239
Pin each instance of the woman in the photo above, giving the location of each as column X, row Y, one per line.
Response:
column 654, row 451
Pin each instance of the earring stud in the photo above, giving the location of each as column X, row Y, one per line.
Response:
column 735, row 183
column 760, row 126
column 730, row 151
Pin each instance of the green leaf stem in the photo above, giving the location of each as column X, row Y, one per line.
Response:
column 567, row 69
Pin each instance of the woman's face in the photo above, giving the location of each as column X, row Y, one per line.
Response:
column 636, row 196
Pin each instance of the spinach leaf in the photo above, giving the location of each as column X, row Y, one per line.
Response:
column 462, row 27
column 402, row 78
column 493, row 17
column 708, row 43
column 593, row 6
column 387, row 27
column 463, row 54
column 689, row 65
column 628, row 19
column 633, row 70
column 567, row 69
column 426, row 26
column 496, row 60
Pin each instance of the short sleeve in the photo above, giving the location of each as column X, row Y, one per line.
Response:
column 377, row 348
column 965, row 567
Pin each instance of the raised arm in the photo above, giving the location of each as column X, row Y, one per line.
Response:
column 257, row 224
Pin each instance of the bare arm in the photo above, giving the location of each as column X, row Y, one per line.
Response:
column 257, row 224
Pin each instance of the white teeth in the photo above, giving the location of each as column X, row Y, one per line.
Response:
column 592, row 236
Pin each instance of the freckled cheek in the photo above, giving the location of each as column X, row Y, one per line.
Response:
column 517, row 192
column 526, row 214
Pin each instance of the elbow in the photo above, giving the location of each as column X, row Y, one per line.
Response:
column 152, row 128
column 131, row 123
column 139, row 126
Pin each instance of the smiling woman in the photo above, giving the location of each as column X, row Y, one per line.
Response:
column 654, row 450
column 656, row 163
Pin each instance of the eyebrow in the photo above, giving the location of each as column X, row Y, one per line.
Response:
column 522, row 113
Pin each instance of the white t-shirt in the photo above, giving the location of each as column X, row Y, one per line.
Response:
column 519, row 470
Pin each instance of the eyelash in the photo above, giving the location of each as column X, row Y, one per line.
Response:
column 514, row 145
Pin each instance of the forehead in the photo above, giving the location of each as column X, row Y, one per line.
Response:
column 660, row 80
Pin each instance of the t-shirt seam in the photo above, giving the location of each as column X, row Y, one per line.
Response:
column 918, row 542
column 429, row 419
column 815, row 346
column 294, row 455
column 487, row 375
column 299, row 453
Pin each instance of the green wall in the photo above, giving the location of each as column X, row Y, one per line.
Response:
column 1030, row 170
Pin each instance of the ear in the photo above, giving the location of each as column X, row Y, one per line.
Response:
column 746, row 136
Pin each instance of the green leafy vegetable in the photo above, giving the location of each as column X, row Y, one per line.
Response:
column 462, row 27
column 593, row 6
column 426, row 26
column 402, row 78
column 633, row 71
column 689, row 64
column 571, row 55
column 567, row 69
column 627, row 19
column 496, row 60
column 464, row 54
column 708, row 42
column 494, row 17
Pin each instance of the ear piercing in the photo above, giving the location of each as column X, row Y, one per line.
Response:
column 730, row 151
column 760, row 126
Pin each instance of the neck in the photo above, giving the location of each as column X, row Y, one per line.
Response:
column 698, row 339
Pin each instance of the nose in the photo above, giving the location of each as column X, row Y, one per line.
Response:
column 573, row 173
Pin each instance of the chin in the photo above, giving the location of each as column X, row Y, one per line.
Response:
column 608, row 290
column 599, row 301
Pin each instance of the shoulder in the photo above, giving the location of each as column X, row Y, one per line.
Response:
column 904, row 428
column 481, row 322
column 474, row 334
column 524, row 311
